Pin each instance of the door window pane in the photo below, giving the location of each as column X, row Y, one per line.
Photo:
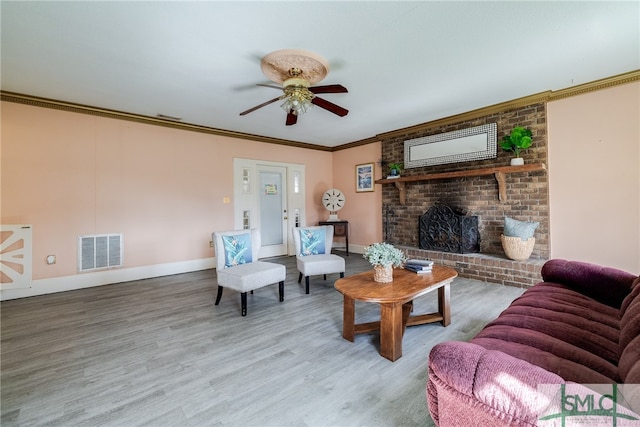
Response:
column 271, row 208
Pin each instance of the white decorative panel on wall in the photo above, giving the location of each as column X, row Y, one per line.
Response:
column 99, row 251
column 476, row 143
column 15, row 256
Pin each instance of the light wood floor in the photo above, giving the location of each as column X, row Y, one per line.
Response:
column 157, row 352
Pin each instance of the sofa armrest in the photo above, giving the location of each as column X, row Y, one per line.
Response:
column 469, row 385
column 605, row 284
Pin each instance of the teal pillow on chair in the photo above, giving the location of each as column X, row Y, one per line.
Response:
column 311, row 241
column 521, row 229
column 237, row 249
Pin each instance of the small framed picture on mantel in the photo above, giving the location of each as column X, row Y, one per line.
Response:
column 364, row 177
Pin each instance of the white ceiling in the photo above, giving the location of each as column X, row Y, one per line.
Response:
column 404, row 63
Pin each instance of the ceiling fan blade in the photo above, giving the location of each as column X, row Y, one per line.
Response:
column 272, row 86
column 292, row 119
column 330, row 106
column 259, row 106
column 329, row 89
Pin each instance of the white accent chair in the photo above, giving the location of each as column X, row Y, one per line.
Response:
column 238, row 267
column 313, row 253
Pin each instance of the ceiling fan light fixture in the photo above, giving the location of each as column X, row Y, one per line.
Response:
column 297, row 99
column 298, row 70
column 296, row 81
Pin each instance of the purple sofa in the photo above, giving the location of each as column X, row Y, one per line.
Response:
column 580, row 325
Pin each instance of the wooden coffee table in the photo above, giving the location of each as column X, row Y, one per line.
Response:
column 396, row 303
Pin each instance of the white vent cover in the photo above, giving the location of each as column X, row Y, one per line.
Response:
column 15, row 256
column 99, row 251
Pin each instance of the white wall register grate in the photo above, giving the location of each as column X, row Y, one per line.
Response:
column 15, row 256
column 99, row 251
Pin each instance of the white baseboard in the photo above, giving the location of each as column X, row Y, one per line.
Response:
column 106, row 277
column 353, row 249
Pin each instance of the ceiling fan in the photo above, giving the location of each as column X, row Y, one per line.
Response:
column 297, row 70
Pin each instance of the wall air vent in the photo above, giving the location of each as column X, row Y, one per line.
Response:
column 100, row 251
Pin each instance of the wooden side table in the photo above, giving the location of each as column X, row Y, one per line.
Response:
column 340, row 229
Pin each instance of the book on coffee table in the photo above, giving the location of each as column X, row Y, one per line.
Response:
column 420, row 269
column 422, row 262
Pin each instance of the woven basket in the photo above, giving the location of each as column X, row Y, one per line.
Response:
column 517, row 249
column 383, row 274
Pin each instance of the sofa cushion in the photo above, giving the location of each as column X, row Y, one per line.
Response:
column 630, row 322
column 630, row 338
column 464, row 376
column 560, row 330
column 630, row 362
column 633, row 295
column 555, row 296
column 604, row 284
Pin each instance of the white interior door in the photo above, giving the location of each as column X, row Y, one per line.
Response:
column 273, row 210
column 269, row 196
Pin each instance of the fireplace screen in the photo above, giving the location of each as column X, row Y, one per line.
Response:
column 446, row 229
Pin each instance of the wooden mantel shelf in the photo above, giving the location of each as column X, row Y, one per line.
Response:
column 499, row 172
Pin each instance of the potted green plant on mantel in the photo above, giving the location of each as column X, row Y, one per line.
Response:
column 395, row 169
column 384, row 257
column 517, row 141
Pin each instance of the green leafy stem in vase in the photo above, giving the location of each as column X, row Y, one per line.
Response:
column 517, row 141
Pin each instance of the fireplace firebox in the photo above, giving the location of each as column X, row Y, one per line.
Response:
column 448, row 229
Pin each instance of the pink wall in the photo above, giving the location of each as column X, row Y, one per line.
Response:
column 594, row 177
column 362, row 210
column 71, row 174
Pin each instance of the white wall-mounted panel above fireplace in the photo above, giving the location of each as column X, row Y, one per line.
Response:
column 476, row 143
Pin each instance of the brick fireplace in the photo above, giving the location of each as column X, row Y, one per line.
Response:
column 526, row 196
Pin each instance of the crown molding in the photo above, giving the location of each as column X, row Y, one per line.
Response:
column 358, row 143
column 606, row 83
column 469, row 115
column 541, row 97
column 157, row 121
column 537, row 98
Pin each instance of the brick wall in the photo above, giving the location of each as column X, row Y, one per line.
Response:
column 527, row 193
